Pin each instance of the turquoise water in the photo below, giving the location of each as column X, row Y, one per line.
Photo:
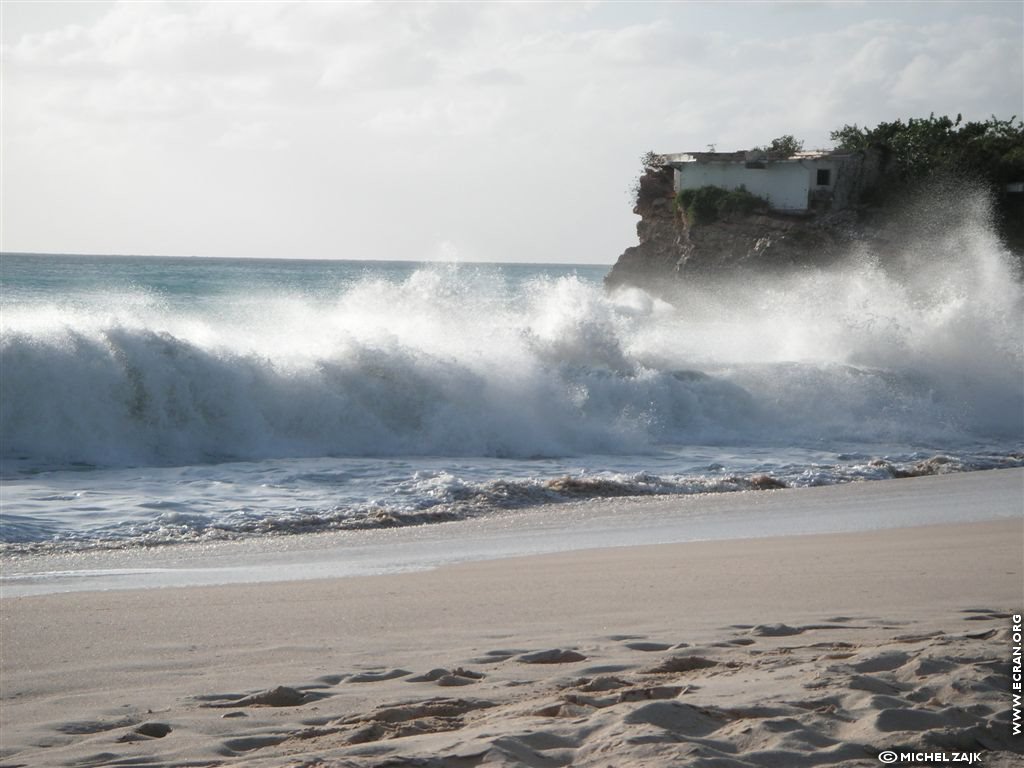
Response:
column 155, row 400
column 39, row 279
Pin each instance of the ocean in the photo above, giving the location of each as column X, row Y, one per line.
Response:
column 154, row 401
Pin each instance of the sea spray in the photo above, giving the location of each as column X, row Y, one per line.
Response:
column 464, row 362
column 169, row 400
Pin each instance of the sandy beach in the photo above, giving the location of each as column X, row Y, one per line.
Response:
column 821, row 649
column 447, row 384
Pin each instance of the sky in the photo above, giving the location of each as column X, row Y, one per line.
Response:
column 423, row 131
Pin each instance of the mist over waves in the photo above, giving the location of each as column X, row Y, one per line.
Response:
column 464, row 361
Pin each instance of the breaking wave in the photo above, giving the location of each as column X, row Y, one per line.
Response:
column 455, row 361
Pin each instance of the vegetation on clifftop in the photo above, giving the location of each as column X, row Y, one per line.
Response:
column 922, row 150
column 991, row 151
column 913, row 154
column 707, row 204
column 783, row 146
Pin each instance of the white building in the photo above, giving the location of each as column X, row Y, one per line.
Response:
column 798, row 183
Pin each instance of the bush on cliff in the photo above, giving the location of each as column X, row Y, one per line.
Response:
column 655, row 183
column 706, row 205
column 783, row 146
column 921, row 150
column 921, row 147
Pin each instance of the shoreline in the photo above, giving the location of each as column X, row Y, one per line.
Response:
column 593, row 524
column 770, row 650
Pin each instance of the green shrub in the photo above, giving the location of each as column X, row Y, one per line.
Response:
column 925, row 149
column 921, row 147
column 707, row 204
column 784, row 146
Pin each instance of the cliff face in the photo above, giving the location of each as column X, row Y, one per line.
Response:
column 670, row 249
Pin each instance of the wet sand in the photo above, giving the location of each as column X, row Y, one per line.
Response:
column 799, row 650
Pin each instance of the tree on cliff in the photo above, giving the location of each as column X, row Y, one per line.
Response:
column 655, row 182
column 783, row 146
column 990, row 153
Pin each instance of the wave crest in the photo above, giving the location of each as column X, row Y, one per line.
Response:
column 458, row 362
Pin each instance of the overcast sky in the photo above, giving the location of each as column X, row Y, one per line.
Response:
column 478, row 132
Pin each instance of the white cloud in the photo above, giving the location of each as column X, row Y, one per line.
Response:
column 914, row 79
column 496, row 76
column 252, row 137
column 512, row 129
column 656, row 44
column 440, row 117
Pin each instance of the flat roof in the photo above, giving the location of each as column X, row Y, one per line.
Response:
column 748, row 155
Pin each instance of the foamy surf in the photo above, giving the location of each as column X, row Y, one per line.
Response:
column 166, row 400
column 447, row 362
column 114, row 509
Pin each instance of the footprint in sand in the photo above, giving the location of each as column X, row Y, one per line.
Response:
column 376, row 677
column 775, row 630
column 282, row 696
column 331, row 679
column 495, row 657
column 648, row 647
column 981, row 635
column 252, row 743
column 872, row 684
column 433, row 716
column 736, row 641
column 600, row 684
column 916, row 637
column 984, row 614
column 448, row 678
column 85, row 727
column 681, row 664
column 677, row 718
column 553, row 656
column 146, row 731
column 574, row 705
column 606, row 669
column 904, row 719
column 652, row 692
column 882, row 662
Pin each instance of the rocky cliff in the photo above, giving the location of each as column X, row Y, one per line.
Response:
column 671, row 249
column 920, row 219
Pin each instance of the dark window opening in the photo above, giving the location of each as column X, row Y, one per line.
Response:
column 824, row 177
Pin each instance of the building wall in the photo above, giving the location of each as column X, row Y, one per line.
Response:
column 784, row 184
column 790, row 185
column 855, row 174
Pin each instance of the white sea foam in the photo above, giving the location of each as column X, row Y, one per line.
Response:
column 458, row 363
column 454, row 390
